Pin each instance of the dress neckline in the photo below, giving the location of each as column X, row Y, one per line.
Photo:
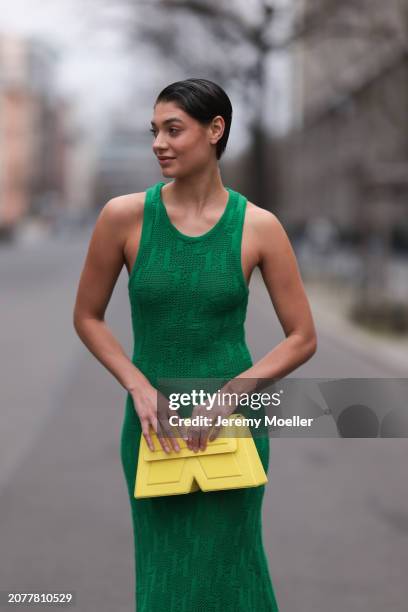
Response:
column 210, row 232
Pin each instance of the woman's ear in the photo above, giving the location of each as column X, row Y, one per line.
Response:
column 216, row 129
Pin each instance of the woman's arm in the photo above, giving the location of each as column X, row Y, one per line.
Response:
column 103, row 263
column 279, row 269
column 278, row 265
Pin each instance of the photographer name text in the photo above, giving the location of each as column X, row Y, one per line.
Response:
column 205, row 421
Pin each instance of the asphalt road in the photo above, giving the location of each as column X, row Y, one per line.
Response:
column 335, row 511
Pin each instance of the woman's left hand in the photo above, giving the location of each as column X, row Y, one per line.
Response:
column 198, row 435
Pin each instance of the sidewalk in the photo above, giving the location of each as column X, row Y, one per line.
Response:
column 330, row 306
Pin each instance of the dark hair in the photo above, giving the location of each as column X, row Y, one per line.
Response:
column 203, row 100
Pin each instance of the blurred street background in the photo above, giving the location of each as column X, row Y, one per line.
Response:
column 319, row 137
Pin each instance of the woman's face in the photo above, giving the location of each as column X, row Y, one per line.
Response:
column 183, row 139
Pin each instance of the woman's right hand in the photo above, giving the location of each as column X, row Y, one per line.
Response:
column 146, row 400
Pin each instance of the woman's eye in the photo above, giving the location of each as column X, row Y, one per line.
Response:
column 172, row 130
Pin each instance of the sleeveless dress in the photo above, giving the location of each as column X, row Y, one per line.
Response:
column 201, row 551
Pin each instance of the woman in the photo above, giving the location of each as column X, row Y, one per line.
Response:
column 190, row 246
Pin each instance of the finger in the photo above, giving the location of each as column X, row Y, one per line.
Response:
column 164, row 443
column 146, row 433
column 161, row 436
column 189, row 434
column 153, row 420
column 183, row 430
column 193, row 435
column 173, row 440
column 168, row 433
column 214, row 433
column 195, row 440
column 204, row 435
column 175, row 443
column 203, row 438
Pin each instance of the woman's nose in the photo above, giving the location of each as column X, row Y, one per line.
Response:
column 159, row 145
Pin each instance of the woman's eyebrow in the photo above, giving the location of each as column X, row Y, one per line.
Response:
column 170, row 120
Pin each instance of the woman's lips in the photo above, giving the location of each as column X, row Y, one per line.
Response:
column 166, row 160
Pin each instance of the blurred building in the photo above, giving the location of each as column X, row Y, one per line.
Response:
column 126, row 163
column 344, row 164
column 32, row 147
column 350, row 79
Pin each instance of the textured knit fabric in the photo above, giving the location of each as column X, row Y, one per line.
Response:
column 201, row 551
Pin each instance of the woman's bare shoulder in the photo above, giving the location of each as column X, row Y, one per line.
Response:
column 261, row 220
column 121, row 213
column 268, row 232
column 124, row 208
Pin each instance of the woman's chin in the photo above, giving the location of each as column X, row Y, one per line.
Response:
column 167, row 172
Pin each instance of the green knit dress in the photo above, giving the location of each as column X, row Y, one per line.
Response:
column 201, row 551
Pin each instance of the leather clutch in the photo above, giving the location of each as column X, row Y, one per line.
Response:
column 231, row 462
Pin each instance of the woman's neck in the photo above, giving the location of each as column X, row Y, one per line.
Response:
column 196, row 192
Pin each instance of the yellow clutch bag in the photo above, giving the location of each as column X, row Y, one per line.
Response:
column 226, row 463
